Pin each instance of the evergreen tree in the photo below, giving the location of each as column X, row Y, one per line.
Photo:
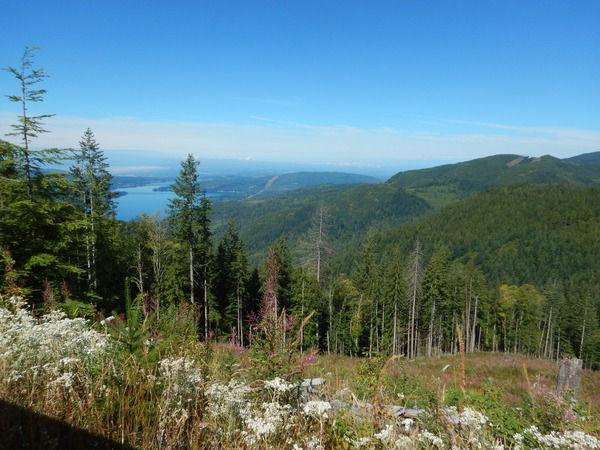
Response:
column 306, row 302
column 470, row 300
column 231, row 275
column 188, row 214
column 395, row 295
column 30, row 126
column 92, row 185
column 11, row 186
column 285, row 274
column 368, row 280
column 344, row 329
column 414, row 293
column 438, row 323
column 161, row 248
column 38, row 227
column 251, row 305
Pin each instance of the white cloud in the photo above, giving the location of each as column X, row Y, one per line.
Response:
column 277, row 140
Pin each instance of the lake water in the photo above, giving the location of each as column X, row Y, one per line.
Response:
column 143, row 199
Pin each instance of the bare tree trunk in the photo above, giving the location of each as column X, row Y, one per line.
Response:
column 302, row 315
column 430, row 332
column 467, row 317
column 239, row 319
column 474, row 325
column 205, row 307
column 548, row 339
column 414, row 290
column 558, row 345
column 191, row 262
column 139, row 281
column 582, row 339
column 330, row 321
column 516, row 336
column 371, row 338
column 93, row 243
column 395, row 330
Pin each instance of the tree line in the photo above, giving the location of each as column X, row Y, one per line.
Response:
column 60, row 244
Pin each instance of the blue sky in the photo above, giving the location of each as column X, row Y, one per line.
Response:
column 339, row 82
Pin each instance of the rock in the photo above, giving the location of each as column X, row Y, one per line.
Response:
column 569, row 375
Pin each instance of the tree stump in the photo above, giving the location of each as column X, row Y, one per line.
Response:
column 569, row 375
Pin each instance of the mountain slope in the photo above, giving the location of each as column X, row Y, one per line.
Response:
column 518, row 234
column 260, row 186
column 586, row 158
column 442, row 185
column 352, row 210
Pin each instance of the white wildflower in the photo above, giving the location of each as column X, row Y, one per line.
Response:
column 518, row 437
column 472, row 419
column 262, row 424
column 425, row 436
column 403, row 442
column 183, row 382
column 317, row 408
column 180, row 368
column 227, row 399
column 65, row 380
column 314, row 443
column 567, row 439
column 385, row 434
column 105, row 322
column 280, row 385
column 48, row 346
column 360, row 442
column 407, row 423
column 67, row 361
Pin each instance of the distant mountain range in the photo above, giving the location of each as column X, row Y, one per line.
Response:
column 269, row 206
column 586, row 158
column 442, row 185
column 357, row 210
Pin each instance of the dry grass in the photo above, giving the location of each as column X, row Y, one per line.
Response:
column 505, row 371
column 189, row 394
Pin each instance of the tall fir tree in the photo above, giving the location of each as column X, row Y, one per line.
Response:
column 30, row 126
column 231, row 276
column 395, row 295
column 414, row 292
column 188, row 214
column 438, row 323
column 92, row 185
column 37, row 224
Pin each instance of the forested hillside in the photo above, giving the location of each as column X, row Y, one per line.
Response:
column 262, row 186
column 516, row 234
column 535, row 249
column 498, row 253
column 586, row 158
column 347, row 211
column 442, row 185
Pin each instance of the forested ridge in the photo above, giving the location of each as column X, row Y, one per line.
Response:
column 401, row 267
column 350, row 210
column 445, row 184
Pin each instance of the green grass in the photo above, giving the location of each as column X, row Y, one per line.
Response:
column 182, row 393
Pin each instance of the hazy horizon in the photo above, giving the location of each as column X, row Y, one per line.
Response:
column 328, row 83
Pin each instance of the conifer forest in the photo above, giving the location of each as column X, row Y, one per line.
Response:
column 227, row 302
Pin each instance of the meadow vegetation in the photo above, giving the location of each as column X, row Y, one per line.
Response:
column 147, row 381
